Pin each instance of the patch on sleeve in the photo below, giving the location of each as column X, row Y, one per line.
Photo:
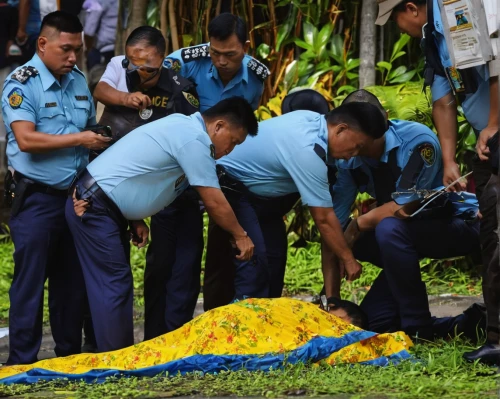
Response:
column 172, row 64
column 15, row 98
column 191, row 99
column 195, row 53
column 212, row 151
column 427, row 153
column 24, row 73
column 258, row 68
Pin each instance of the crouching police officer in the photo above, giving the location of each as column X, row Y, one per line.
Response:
column 286, row 159
column 46, row 107
column 406, row 159
column 135, row 178
column 136, row 89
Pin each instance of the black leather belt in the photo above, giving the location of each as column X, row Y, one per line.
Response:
column 92, row 190
column 40, row 188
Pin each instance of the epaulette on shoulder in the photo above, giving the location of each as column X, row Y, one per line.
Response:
column 195, row 53
column 75, row 69
column 258, row 68
column 24, row 73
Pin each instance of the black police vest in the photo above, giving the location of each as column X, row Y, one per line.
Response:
column 469, row 77
column 172, row 94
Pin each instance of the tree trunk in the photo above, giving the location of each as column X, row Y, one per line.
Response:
column 368, row 43
column 136, row 17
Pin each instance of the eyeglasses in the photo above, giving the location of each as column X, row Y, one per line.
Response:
column 143, row 68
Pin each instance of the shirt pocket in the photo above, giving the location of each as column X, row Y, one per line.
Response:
column 50, row 119
column 81, row 114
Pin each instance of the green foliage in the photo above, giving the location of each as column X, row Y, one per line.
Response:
column 401, row 74
column 440, row 372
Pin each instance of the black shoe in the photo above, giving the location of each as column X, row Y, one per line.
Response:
column 89, row 347
column 473, row 324
column 488, row 354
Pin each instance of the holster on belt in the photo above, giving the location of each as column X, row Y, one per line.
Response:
column 19, row 194
column 228, row 184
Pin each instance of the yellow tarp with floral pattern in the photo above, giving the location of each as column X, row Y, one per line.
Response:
column 255, row 334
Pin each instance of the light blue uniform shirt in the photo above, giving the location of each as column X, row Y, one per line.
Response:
column 283, row 159
column 476, row 106
column 55, row 108
column 195, row 64
column 407, row 137
column 148, row 168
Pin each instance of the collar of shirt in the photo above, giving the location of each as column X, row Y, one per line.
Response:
column 198, row 119
column 46, row 76
column 241, row 75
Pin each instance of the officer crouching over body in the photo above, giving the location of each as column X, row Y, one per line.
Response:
column 218, row 283
column 288, row 158
column 136, row 89
column 135, row 178
column 46, row 107
column 407, row 158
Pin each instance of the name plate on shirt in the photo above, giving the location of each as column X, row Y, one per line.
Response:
column 82, row 98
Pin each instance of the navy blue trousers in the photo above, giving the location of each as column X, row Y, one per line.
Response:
column 44, row 249
column 263, row 275
column 103, row 247
column 173, row 267
column 397, row 299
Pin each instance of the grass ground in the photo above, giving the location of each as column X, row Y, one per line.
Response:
column 439, row 372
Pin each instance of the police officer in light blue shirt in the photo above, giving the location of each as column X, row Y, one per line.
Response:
column 46, row 107
column 288, row 158
column 222, row 68
column 138, row 176
column 407, row 158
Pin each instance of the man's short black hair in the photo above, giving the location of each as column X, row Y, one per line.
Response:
column 238, row 111
column 355, row 313
column 361, row 117
column 62, row 22
column 227, row 24
column 363, row 96
column 305, row 99
column 152, row 36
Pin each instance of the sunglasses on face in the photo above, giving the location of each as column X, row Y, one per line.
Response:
column 143, row 68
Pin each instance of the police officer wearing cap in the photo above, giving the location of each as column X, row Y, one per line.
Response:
column 477, row 90
column 220, row 69
column 218, row 283
column 406, row 158
column 288, row 158
column 135, row 178
column 46, row 107
column 136, row 89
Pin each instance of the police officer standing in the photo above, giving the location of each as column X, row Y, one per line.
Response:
column 408, row 157
column 46, row 106
column 136, row 90
column 220, row 69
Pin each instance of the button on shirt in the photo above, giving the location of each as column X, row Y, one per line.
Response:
column 55, row 108
column 476, row 106
column 406, row 137
column 285, row 157
column 148, row 168
column 194, row 63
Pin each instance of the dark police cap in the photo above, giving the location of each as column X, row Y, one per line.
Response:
column 305, row 100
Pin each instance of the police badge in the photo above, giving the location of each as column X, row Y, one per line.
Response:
column 15, row 98
column 146, row 113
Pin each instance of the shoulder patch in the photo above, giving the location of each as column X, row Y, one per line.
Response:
column 191, row 99
column 15, row 98
column 427, row 153
column 172, row 63
column 195, row 53
column 24, row 73
column 212, row 151
column 258, row 68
